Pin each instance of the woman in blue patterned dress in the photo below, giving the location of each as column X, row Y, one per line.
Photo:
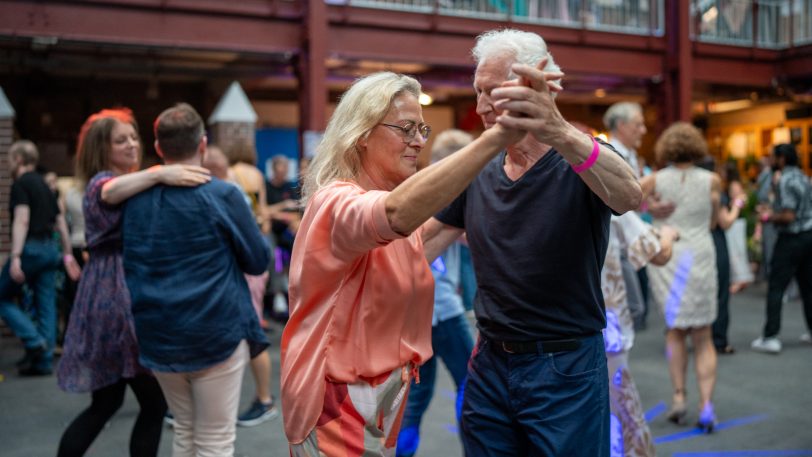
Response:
column 100, row 350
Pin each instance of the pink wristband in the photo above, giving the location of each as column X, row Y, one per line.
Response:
column 596, row 151
column 66, row 257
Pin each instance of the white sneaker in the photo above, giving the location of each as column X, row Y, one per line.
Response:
column 770, row 345
column 806, row 338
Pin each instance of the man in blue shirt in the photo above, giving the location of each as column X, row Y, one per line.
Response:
column 185, row 252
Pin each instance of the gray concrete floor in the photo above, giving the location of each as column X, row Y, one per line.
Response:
column 764, row 402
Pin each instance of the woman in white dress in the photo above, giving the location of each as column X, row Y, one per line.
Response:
column 686, row 288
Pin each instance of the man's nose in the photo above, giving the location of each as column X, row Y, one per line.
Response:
column 484, row 104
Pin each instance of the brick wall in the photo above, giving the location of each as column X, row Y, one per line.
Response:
column 6, row 137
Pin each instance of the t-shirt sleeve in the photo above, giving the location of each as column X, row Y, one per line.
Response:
column 792, row 192
column 454, row 214
column 19, row 196
column 354, row 219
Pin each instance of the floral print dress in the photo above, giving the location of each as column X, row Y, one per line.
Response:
column 100, row 345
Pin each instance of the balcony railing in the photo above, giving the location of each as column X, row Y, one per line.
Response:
column 773, row 24
column 639, row 17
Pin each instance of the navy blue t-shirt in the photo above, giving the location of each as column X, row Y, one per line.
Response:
column 537, row 245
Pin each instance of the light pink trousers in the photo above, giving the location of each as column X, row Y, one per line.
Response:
column 204, row 404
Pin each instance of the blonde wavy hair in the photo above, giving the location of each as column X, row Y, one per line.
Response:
column 360, row 109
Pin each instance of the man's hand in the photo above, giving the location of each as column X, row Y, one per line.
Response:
column 15, row 269
column 528, row 104
column 183, row 175
column 660, row 209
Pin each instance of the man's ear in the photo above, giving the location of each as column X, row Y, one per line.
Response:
column 201, row 147
column 158, row 150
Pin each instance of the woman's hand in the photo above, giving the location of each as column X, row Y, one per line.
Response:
column 72, row 267
column 506, row 136
column 735, row 191
column 666, row 231
column 182, row 175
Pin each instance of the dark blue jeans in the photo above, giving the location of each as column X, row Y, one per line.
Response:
column 40, row 260
column 547, row 404
column 467, row 278
column 452, row 342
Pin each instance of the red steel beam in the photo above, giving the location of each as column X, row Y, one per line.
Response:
column 455, row 51
column 312, row 70
column 734, row 72
column 94, row 22
column 274, row 26
column 797, row 62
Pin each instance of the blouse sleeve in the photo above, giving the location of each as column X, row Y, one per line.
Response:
column 354, row 218
column 641, row 241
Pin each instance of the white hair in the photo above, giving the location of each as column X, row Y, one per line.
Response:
column 620, row 112
column 525, row 47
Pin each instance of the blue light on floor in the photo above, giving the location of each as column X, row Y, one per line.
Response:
column 745, row 453
column 658, row 409
column 696, row 431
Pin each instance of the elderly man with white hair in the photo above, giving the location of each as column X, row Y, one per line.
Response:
column 537, row 222
column 626, row 127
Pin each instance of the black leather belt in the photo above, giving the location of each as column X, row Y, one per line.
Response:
column 537, row 347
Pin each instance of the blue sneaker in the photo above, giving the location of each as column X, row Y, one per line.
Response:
column 408, row 440
column 258, row 413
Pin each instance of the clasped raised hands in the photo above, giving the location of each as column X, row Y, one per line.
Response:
column 527, row 103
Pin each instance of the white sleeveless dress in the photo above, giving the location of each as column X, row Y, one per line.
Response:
column 686, row 287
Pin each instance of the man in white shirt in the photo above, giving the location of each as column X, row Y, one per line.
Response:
column 626, row 127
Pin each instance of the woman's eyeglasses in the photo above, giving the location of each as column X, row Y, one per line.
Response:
column 410, row 130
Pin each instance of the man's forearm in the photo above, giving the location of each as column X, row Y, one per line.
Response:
column 19, row 232
column 64, row 235
column 610, row 178
column 785, row 217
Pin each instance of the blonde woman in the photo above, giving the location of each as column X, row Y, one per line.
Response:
column 360, row 287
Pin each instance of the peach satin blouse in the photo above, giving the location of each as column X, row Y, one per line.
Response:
column 361, row 299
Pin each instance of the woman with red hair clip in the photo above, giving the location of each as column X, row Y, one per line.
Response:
column 100, row 349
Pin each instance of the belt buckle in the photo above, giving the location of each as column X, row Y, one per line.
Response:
column 505, row 348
